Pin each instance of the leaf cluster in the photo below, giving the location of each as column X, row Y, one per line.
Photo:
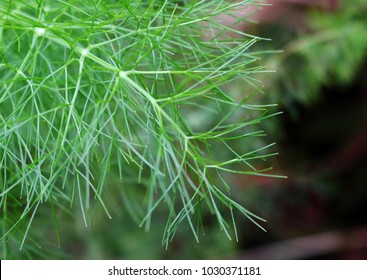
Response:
column 129, row 96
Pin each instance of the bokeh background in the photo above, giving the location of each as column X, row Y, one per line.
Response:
column 320, row 84
column 318, row 50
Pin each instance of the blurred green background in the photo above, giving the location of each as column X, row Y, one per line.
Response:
column 319, row 212
column 320, row 84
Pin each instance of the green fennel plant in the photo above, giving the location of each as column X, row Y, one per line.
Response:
column 133, row 98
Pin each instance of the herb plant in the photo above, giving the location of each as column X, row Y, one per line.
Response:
column 140, row 99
